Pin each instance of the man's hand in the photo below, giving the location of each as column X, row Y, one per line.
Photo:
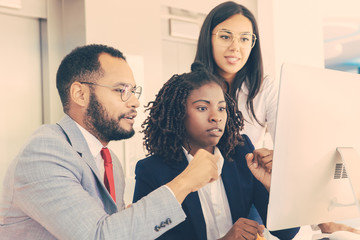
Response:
column 200, row 171
column 260, row 164
column 245, row 229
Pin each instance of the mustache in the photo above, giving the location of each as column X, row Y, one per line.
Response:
column 132, row 112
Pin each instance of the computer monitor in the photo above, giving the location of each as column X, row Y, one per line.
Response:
column 317, row 137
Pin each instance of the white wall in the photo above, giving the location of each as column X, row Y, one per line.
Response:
column 21, row 89
column 134, row 29
column 55, row 43
column 205, row 6
column 291, row 31
column 28, row 8
column 20, row 92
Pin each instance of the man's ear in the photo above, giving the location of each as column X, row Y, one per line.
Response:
column 79, row 94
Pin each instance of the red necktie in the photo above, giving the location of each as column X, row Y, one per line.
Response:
column 108, row 176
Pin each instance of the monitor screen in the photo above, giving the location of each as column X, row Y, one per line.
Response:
column 316, row 163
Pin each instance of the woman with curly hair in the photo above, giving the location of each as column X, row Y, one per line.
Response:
column 192, row 112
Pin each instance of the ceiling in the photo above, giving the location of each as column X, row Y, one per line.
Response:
column 341, row 27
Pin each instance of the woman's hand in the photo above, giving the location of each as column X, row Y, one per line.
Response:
column 244, row 229
column 260, row 164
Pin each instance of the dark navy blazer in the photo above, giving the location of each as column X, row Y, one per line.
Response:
column 241, row 187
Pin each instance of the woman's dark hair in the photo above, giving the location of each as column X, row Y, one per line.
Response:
column 252, row 72
column 164, row 128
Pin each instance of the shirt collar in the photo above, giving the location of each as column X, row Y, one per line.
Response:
column 94, row 144
column 220, row 162
column 244, row 88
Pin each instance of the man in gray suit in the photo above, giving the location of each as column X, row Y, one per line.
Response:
column 54, row 188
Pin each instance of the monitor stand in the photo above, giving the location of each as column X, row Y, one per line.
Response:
column 351, row 161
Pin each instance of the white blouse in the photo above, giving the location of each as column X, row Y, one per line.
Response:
column 265, row 105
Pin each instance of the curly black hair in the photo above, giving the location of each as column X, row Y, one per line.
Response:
column 164, row 128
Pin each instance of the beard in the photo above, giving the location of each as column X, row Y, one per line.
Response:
column 101, row 125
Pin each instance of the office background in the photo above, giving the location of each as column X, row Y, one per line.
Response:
column 159, row 38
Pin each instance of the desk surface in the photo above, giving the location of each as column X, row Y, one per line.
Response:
column 306, row 233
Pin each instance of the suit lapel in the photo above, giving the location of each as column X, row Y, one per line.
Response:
column 191, row 204
column 192, row 207
column 232, row 187
column 78, row 142
column 119, row 180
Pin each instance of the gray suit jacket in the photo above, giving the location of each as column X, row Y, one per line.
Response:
column 52, row 190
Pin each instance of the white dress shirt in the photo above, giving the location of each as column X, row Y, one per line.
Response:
column 95, row 147
column 214, row 203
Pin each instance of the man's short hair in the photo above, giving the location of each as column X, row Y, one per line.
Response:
column 81, row 64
